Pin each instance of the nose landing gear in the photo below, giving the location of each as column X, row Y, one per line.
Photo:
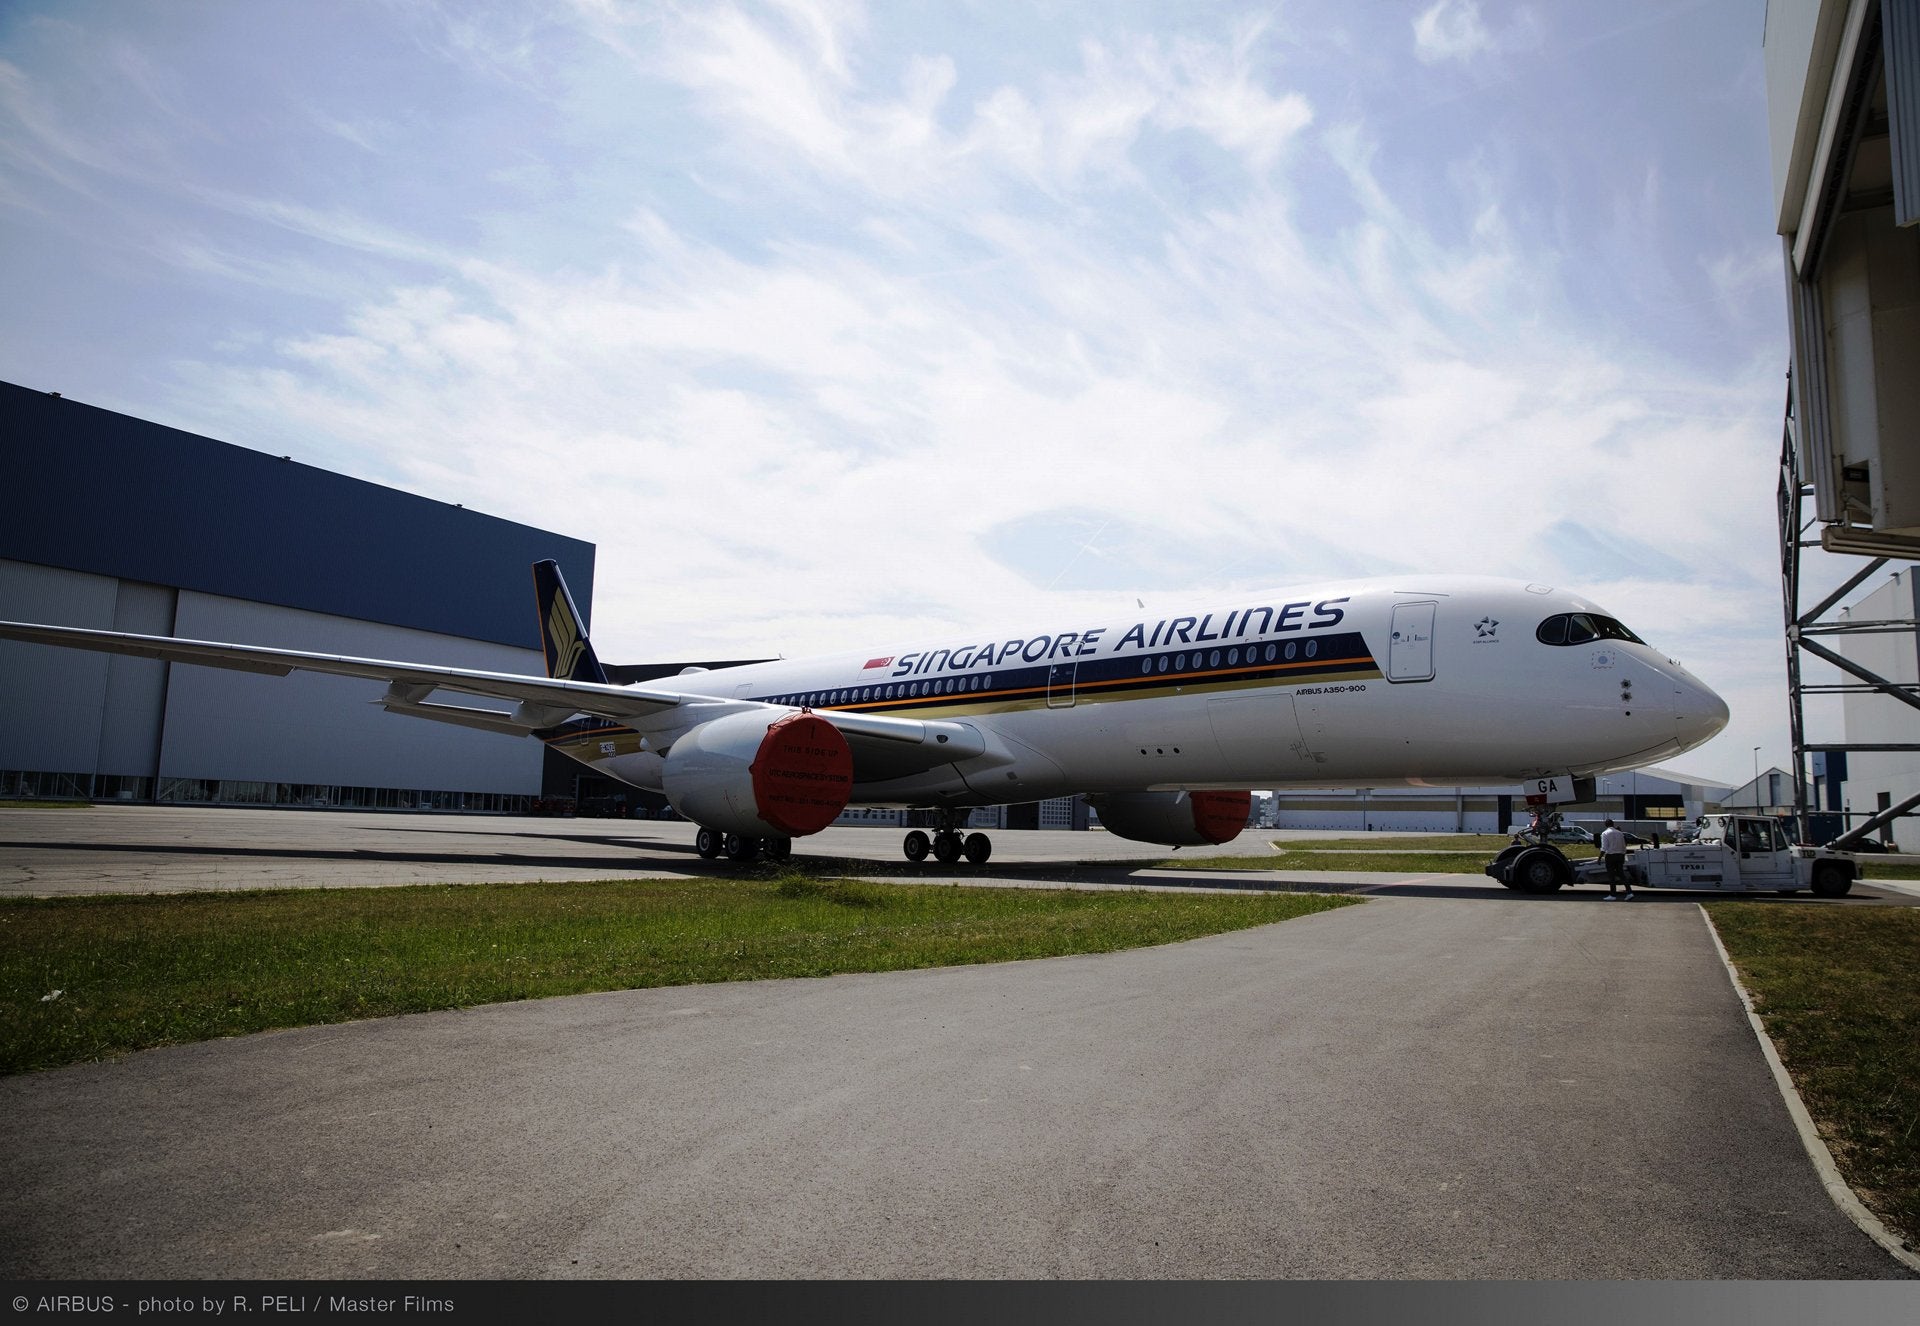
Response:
column 946, row 844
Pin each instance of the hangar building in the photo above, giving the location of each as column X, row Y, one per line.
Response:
column 1843, row 110
column 1883, row 734
column 111, row 522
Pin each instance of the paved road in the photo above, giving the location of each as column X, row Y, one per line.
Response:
column 1468, row 1086
column 161, row 849
column 142, row 849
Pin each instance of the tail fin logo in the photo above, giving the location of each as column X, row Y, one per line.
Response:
column 565, row 633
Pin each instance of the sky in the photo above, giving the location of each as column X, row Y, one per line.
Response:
column 835, row 324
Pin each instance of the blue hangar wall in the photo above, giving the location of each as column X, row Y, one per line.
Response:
column 113, row 522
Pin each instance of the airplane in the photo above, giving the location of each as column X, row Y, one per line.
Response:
column 1164, row 720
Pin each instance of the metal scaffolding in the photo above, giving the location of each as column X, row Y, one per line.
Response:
column 1804, row 630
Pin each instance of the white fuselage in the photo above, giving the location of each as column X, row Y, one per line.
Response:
column 1416, row 680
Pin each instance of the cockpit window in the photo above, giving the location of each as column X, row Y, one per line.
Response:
column 1579, row 628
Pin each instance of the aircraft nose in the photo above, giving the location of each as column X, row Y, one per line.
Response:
column 1698, row 710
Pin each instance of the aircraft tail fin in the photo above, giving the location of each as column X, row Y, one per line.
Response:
column 563, row 637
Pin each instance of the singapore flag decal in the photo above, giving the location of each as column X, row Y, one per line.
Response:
column 873, row 663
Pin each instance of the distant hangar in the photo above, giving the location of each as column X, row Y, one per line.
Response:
column 112, row 522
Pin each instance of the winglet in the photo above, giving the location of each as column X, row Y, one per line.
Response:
column 570, row 656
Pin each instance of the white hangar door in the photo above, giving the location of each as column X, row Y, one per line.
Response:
column 1410, row 651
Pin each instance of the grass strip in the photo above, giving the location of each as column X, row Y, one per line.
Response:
column 133, row 972
column 1490, row 843
column 1398, row 862
column 1838, row 990
column 1314, row 855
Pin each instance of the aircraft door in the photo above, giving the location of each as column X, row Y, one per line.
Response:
column 1410, row 651
column 1060, row 679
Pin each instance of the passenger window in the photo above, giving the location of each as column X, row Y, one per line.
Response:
column 1233, row 657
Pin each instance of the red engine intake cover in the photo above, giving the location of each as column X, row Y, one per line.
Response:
column 1219, row 816
column 803, row 775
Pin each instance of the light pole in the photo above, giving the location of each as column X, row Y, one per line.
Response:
column 1756, row 780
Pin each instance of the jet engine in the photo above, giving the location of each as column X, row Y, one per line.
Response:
column 1174, row 819
column 743, row 774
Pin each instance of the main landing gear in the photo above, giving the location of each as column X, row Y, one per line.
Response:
column 946, row 844
column 712, row 843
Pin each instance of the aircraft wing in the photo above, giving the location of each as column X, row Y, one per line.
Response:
column 659, row 713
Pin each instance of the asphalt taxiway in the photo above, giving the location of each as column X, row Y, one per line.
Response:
column 1440, row 1084
column 159, row 849
column 55, row 852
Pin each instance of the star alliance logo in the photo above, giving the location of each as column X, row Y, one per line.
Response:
column 1484, row 629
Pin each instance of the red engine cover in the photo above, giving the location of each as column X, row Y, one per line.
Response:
column 1219, row 816
column 803, row 775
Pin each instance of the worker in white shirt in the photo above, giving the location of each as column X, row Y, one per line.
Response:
column 1613, row 850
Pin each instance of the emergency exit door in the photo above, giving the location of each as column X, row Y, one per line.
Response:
column 1410, row 650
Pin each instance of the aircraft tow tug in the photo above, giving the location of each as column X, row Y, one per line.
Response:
column 1733, row 854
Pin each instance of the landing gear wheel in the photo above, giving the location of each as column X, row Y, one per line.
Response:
column 1832, row 881
column 978, row 848
column 946, row 847
column 739, row 847
column 1539, row 871
column 708, row 843
column 777, row 849
column 917, row 846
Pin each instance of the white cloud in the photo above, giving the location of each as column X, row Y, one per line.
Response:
column 800, row 96
column 1756, row 266
column 1450, row 30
